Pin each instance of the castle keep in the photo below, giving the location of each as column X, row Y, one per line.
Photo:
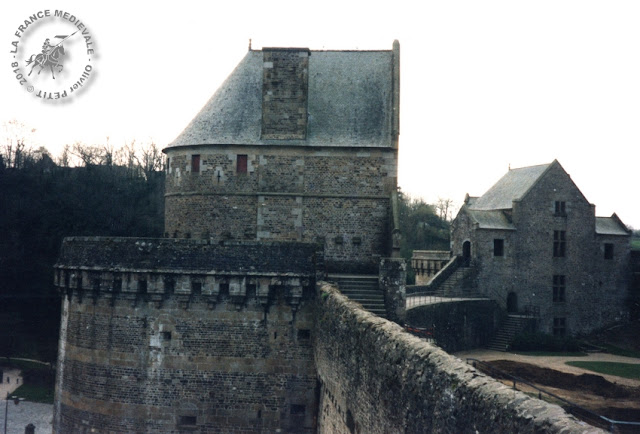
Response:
column 296, row 145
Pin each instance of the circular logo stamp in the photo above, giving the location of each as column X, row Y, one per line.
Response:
column 53, row 55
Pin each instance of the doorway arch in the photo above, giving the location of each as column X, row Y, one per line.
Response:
column 512, row 302
column 466, row 253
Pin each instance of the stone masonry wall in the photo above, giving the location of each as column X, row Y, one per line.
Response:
column 458, row 325
column 285, row 87
column 339, row 197
column 375, row 378
column 221, row 344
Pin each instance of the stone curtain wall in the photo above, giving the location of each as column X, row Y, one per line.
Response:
column 375, row 378
column 458, row 325
column 183, row 335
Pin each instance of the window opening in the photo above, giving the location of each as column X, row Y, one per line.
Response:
column 559, row 326
column 195, row 163
column 559, row 244
column 558, row 288
column 608, row 250
column 241, row 164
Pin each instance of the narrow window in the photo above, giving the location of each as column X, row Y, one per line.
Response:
column 558, row 288
column 187, row 420
column 608, row 250
column 169, row 285
column 195, row 163
column 142, row 286
column 498, row 247
column 196, row 287
column 241, row 165
column 559, row 244
column 560, row 208
column 117, row 285
column 559, row 326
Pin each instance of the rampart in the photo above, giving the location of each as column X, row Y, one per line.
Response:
column 161, row 335
column 375, row 378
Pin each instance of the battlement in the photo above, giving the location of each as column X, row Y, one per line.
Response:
column 158, row 270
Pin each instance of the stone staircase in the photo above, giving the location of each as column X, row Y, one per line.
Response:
column 511, row 327
column 363, row 289
column 457, row 284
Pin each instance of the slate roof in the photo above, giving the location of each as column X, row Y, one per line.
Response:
column 350, row 103
column 493, row 219
column 164, row 255
column 512, row 186
column 610, row 226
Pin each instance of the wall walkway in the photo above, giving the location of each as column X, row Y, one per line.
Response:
column 375, row 378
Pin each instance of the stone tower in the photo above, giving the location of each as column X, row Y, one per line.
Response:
column 296, row 145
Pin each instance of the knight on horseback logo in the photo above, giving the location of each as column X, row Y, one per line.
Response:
column 67, row 59
column 50, row 56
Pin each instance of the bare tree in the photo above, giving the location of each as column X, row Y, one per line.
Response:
column 107, row 157
column 444, row 208
column 150, row 159
column 65, row 157
column 17, row 137
column 88, row 155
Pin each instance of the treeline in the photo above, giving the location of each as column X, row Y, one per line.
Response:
column 41, row 202
column 423, row 226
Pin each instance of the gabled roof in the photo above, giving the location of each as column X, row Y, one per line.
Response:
column 611, row 226
column 493, row 219
column 512, row 186
column 350, row 102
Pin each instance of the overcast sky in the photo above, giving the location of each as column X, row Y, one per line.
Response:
column 484, row 84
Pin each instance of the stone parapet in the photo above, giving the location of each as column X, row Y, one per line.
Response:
column 374, row 377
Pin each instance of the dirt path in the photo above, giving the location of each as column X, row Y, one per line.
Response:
column 557, row 362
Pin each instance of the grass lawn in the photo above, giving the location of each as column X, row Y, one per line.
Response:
column 626, row 370
column 23, row 365
column 550, row 354
column 38, row 380
column 35, row 393
column 612, row 349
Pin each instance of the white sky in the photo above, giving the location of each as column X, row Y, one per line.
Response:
column 484, row 84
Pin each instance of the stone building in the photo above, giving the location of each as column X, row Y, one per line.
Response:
column 287, row 173
column 538, row 248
